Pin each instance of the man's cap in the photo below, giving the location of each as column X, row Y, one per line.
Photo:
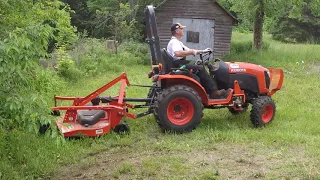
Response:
column 176, row 26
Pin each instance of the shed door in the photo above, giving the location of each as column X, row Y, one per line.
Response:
column 199, row 33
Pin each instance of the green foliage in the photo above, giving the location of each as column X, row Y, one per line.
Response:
column 66, row 66
column 89, row 57
column 290, row 21
column 302, row 28
column 138, row 50
column 20, row 14
column 81, row 16
column 26, row 89
column 111, row 19
column 21, row 102
column 114, row 20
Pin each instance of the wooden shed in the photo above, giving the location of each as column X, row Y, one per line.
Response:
column 209, row 25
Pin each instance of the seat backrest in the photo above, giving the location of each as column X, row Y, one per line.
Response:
column 167, row 61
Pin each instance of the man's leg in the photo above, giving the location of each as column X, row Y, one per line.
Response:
column 205, row 79
column 207, row 82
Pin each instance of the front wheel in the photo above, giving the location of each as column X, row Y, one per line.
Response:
column 179, row 109
column 263, row 111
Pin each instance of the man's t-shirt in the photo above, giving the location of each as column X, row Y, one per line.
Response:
column 175, row 45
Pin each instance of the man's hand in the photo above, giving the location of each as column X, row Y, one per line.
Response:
column 207, row 50
column 195, row 52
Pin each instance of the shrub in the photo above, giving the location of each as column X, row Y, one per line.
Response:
column 134, row 53
column 66, row 66
column 91, row 57
column 25, row 88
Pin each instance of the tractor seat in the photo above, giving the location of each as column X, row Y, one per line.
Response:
column 90, row 117
column 170, row 63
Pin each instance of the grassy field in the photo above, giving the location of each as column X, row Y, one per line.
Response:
column 223, row 146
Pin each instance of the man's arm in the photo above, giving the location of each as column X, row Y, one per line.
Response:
column 187, row 52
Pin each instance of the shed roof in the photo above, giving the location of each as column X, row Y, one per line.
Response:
column 213, row 1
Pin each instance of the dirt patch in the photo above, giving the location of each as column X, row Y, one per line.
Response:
column 234, row 161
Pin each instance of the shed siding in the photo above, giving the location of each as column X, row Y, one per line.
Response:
column 206, row 9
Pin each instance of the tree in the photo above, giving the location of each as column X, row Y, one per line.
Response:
column 254, row 12
column 98, row 16
column 304, row 28
column 81, row 16
column 114, row 19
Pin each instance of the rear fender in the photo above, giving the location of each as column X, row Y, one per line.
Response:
column 170, row 80
column 276, row 80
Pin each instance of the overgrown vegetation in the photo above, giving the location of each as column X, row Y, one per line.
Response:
column 90, row 58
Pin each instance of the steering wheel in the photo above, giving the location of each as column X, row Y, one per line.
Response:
column 204, row 57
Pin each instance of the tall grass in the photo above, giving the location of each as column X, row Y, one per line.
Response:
column 90, row 58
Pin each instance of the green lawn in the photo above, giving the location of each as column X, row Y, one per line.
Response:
column 223, row 145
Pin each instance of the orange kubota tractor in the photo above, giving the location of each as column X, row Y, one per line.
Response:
column 176, row 99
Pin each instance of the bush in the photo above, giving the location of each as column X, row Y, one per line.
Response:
column 66, row 66
column 27, row 107
column 25, row 86
column 134, row 53
column 91, row 57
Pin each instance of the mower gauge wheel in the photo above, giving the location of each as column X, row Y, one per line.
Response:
column 122, row 128
column 55, row 113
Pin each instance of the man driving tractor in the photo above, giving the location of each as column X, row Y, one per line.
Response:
column 179, row 51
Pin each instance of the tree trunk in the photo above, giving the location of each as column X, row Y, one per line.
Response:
column 258, row 25
column 131, row 3
column 119, row 2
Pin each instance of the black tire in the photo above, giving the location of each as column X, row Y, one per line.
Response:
column 236, row 112
column 122, row 128
column 156, row 116
column 55, row 113
column 263, row 111
column 186, row 105
column 43, row 128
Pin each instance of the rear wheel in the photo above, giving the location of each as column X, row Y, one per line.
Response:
column 263, row 111
column 179, row 109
